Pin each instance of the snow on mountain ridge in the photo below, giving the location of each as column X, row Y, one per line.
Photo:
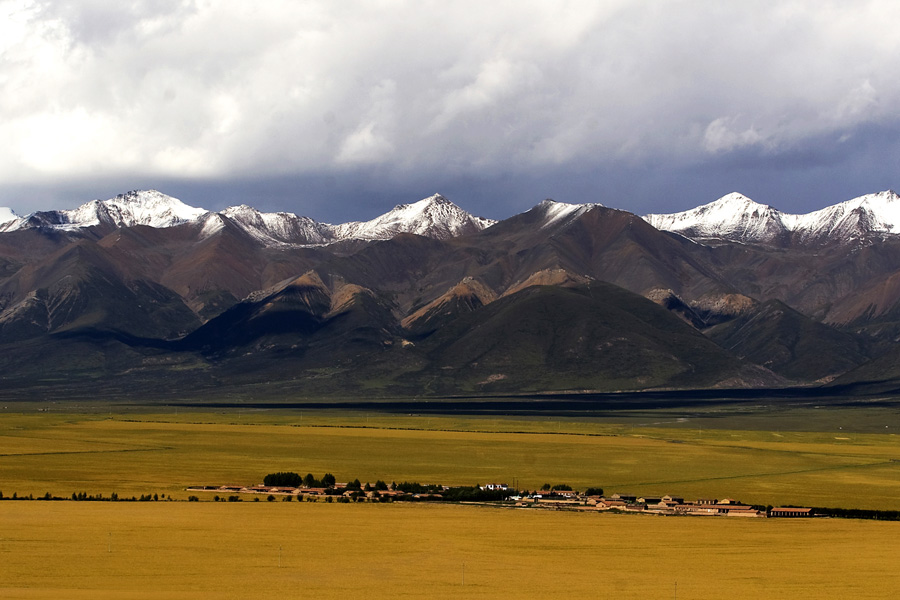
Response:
column 736, row 217
column 434, row 217
column 279, row 227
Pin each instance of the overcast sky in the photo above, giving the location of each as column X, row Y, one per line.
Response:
column 339, row 110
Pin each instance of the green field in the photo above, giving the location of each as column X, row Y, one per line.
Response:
column 207, row 549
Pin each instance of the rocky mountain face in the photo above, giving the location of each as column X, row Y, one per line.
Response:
column 145, row 292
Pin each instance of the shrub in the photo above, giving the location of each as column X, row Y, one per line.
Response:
column 193, row 499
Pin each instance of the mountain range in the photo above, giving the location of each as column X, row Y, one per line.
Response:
column 143, row 292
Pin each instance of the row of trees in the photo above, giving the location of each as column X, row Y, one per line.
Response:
column 290, row 479
column 85, row 497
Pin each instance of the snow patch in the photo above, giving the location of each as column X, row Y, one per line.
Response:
column 7, row 215
column 556, row 212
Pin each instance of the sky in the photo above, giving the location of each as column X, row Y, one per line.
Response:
column 341, row 110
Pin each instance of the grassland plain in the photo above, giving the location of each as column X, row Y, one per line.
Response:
column 143, row 453
column 207, row 549
column 238, row 550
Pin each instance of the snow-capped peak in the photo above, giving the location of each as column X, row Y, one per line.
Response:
column 434, row 217
column 872, row 213
column 736, row 217
column 733, row 216
column 150, row 208
column 125, row 210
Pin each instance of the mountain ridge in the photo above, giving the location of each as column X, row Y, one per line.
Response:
column 435, row 217
column 733, row 217
column 425, row 300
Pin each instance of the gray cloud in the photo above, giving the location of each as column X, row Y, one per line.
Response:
column 643, row 105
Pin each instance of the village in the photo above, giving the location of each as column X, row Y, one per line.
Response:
column 559, row 498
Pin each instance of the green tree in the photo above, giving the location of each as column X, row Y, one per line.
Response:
column 310, row 481
column 328, row 480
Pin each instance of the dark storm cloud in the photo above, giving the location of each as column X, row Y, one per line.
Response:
column 341, row 109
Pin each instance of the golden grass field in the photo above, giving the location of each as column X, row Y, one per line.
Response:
column 240, row 550
column 206, row 549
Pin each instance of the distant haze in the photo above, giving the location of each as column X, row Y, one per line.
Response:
column 340, row 110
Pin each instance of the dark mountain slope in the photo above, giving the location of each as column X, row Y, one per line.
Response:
column 591, row 337
column 881, row 375
column 789, row 343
